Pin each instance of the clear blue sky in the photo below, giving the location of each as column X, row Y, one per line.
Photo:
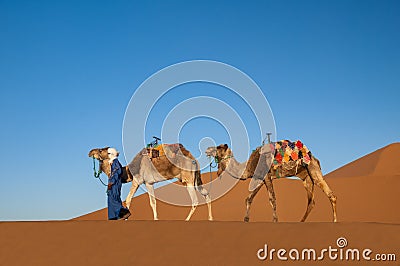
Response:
column 329, row 69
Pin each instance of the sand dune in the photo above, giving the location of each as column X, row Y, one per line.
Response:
column 383, row 162
column 367, row 191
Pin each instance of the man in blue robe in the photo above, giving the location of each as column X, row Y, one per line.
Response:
column 115, row 209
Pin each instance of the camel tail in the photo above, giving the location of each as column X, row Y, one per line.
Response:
column 319, row 164
column 197, row 178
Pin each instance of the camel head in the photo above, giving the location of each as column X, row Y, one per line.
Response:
column 222, row 154
column 101, row 154
column 211, row 151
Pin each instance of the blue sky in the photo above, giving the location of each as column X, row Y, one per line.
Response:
column 329, row 69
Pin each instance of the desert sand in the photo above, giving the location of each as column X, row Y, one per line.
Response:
column 368, row 191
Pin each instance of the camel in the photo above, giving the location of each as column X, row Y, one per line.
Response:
column 258, row 169
column 175, row 161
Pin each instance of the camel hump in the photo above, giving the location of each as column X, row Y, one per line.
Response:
column 172, row 147
column 169, row 150
column 176, row 147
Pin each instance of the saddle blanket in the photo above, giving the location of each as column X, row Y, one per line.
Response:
column 286, row 151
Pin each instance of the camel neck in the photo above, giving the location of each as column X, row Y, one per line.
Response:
column 235, row 169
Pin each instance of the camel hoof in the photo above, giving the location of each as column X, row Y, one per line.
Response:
column 211, row 219
column 246, row 219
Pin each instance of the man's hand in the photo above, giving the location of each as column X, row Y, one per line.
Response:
column 109, row 186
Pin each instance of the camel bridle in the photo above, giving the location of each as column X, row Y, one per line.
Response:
column 219, row 160
column 98, row 172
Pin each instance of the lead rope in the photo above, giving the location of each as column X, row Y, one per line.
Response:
column 209, row 189
column 97, row 173
column 210, row 165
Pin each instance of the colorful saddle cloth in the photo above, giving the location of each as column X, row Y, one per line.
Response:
column 286, row 151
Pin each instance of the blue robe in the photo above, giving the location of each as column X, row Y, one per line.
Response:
column 114, row 194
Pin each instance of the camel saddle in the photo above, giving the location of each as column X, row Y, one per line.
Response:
column 163, row 149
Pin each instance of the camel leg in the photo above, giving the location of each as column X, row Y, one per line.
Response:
column 309, row 186
column 131, row 193
column 272, row 198
column 315, row 173
column 193, row 197
column 208, row 201
column 249, row 200
column 324, row 186
column 206, row 195
column 152, row 198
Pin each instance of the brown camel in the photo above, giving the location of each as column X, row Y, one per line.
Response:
column 262, row 168
column 174, row 161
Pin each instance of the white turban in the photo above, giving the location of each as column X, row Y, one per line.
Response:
column 112, row 154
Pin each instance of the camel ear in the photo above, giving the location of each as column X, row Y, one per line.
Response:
column 225, row 146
